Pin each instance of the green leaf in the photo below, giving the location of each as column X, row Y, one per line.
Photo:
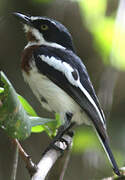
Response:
column 28, row 108
column 13, row 118
column 35, row 121
column 40, row 124
column 51, row 128
column 30, row 111
column 37, row 129
column 15, row 111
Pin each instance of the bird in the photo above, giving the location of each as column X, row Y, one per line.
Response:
column 59, row 79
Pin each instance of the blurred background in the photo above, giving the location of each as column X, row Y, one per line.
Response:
column 98, row 30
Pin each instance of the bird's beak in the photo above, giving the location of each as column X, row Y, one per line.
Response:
column 23, row 18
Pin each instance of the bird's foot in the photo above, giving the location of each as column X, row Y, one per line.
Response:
column 58, row 139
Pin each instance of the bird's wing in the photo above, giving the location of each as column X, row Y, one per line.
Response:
column 67, row 71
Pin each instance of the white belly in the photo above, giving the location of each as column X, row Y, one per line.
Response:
column 56, row 99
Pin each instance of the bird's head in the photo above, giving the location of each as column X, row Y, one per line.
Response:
column 45, row 31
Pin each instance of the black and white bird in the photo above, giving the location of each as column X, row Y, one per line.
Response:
column 58, row 77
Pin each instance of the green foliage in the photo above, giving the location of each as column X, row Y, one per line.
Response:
column 30, row 111
column 17, row 117
column 13, row 118
column 27, row 106
column 37, row 129
column 52, row 126
column 48, row 125
column 40, row 124
column 108, row 37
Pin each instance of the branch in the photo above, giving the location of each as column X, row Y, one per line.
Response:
column 50, row 157
column 15, row 163
column 65, row 165
column 31, row 167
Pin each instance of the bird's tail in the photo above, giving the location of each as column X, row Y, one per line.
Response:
column 105, row 144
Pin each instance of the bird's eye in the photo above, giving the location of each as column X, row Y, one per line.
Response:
column 44, row 27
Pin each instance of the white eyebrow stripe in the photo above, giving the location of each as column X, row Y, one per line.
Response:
column 66, row 69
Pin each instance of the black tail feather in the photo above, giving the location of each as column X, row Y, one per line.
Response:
column 111, row 157
column 105, row 143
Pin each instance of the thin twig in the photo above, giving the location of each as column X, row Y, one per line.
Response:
column 50, row 157
column 32, row 168
column 15, row 164
column 65, row 165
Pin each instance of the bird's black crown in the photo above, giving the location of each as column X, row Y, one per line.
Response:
column 51, row 30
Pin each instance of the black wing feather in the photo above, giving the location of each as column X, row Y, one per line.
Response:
column 75, row 62
column 63, row 83
column 75, row 92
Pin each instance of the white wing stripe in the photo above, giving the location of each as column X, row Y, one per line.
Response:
column 91, row 100
column 66, row 69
